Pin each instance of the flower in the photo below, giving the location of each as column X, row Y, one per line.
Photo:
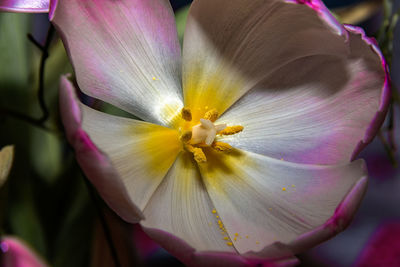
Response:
column 28, row 6
column 16, row 253
column 246, row 151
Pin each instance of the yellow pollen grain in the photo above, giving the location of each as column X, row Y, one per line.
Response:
column 211, row 115
column 221, row 146
column 282, row 159
column 293, row 185
column 232, row 130
column 217, row 216
column 247, row 236
column 186, row 114
column 236, row 234
column 154, row 78
column 235, row 239
column 257, row 242
column 226, row 238
column 219, row 222
column 214, row 211
column 229, row 243
column 283, row 188
column 186, row 136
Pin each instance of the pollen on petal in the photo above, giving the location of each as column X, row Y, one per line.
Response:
column 211, row 115
column 232, row 130
column 214, row 211
column 186, row 114
column 283, row 188
column 229, row 243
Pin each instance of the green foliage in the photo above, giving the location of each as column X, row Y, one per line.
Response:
column 180, row 18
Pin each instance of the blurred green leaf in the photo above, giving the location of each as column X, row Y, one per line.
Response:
column 57, row 64
column 73, row 244
column 14, row 56
column 180, row 18
column 46, row 154
column 24, row 219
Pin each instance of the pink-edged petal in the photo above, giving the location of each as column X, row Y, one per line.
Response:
column 272, row 208
column 181, row 217
column 125, row 159
column 16, row 253
column 25, row 6
column 188, row 255
column 383, row 248
column 124, row 52
column 6, row 159
column 144, row 245
column 230, row 48
column 318, row 110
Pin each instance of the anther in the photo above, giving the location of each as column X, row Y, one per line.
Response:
column 211, row 115
column 232, row 130
column 186, row 136
column 221, row 146
column 186, row 114
column 198, row 153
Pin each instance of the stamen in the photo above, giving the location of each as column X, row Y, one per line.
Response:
column 211, row 115
column 186, row 114
column 186, row 136
column 198, row 153
column 232, row 130
column 221, row 146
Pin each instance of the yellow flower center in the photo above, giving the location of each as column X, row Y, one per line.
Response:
column 204, row 133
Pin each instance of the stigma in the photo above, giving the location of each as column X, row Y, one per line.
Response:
column 204, row 133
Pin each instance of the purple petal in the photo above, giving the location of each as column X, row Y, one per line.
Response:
column 383, row 248
column 16, row 253
column 25, row 6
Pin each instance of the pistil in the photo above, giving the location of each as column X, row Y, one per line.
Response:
column 203, row 134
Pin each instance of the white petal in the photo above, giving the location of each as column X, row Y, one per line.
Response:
column 124, row 52
column 140, row 152
column 182, row 207
column 263, row 201
column 234, row 45
column 316, row 109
